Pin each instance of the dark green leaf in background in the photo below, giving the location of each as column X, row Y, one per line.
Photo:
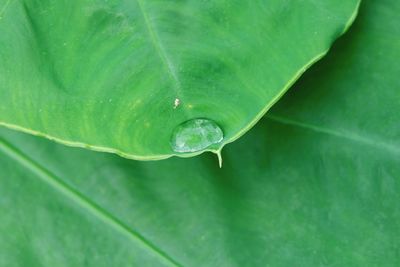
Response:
column 315, row 183
column 121, row 75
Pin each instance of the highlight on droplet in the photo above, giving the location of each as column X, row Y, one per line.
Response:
column 196, row 135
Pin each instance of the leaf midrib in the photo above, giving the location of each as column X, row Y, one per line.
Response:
column 84, row 202
column 4, row 8
column 158, row 46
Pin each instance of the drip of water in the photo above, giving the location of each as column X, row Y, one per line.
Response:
column 196, row 135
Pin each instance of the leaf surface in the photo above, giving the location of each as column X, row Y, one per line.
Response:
column 313, row 184
column 120, row 76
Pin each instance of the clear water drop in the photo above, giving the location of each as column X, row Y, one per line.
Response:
column 196, row 135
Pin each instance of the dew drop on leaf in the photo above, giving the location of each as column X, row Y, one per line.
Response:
column 196, row 135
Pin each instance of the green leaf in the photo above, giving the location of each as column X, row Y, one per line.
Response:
column 120, row 76
column 316, row 183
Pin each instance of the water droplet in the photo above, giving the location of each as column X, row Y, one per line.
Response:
column 196, row 135
column 177, row 102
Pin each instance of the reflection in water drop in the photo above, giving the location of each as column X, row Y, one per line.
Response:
column 196, row 135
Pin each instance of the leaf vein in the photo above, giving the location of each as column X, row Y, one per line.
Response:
column 346, row 135
column 171, row 70
column 4, row 8
column 84, row 202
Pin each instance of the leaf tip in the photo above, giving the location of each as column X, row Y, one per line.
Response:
column 219, row 155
